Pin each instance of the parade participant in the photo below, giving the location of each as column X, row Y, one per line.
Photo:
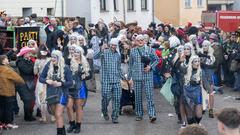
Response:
column 82, row 43
column 207, row 65
column 58, row 78
column 68, row 55
column 142, row 61
column 8, row 78
column 40, row 90
column 78, row 94
column 25, row 66
column 228, row 121
column 110, row 78
column 193, row 91
column 177, row 74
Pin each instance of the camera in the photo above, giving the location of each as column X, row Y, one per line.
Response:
column 56, row 78
column 145, row 60
column 102, row 41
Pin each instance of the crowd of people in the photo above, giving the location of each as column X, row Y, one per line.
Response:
column 58, row 72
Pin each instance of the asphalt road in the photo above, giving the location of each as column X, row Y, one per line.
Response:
column 93, row 123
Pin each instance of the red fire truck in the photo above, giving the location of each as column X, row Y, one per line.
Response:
column 228, row 21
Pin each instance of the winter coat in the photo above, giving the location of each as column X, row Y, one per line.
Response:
column 25, row 67
column 8, row 79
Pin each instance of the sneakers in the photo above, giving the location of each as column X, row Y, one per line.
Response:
column 12, row 126
column 139, row 118
column 8, row 126
column 211, row 115
column 106, row 117
column 115, row 121
column 183, row 125
column 43, row 119
column 152, row 119
column 53, row 119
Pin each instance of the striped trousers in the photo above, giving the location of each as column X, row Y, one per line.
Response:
column 111, row 91
column 139, row 87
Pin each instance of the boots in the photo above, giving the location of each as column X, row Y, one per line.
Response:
column 71, row 127
column 61, row 131
column 78, row 128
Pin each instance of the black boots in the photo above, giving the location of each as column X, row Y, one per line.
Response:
column 71, row 127
column 61, row 131
column 78, row 128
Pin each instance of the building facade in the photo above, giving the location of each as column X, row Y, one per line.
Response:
column 27, row 7
column 92, row 10
column 216, row 5
column 111, row 10
column 179, row 12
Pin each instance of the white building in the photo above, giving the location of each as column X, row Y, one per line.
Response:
column 27, row 7
column 92, row 10
column 109, row 10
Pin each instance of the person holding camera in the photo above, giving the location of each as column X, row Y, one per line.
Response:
column 58, row 78
column 111, row 75
column 142, row 61
column 78, row 93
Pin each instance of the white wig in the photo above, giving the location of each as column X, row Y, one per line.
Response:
column 190, row 69
column 84, row 62
column 60, row 64
column 80, row 37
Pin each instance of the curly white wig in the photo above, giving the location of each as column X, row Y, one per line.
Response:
column 84, row 62
column 190, row 69
column 80, row 37
column 60, row 64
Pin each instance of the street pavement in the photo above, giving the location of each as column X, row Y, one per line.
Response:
column 94, row 124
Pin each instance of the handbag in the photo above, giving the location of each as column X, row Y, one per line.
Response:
column 166, row 91
column 53, row 99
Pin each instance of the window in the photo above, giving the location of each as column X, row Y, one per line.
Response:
column 130, row 4
column 26, row 11
column 187, row 3
column 115, row 4
column 144, row 4
column 50, row 12
column 199, row 3
column 103, row 5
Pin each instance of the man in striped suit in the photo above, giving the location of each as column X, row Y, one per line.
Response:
column 111, row 75
column 140, row 71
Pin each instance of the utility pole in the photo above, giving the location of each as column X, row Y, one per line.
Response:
column 62, row 11
column 124, row 11
column 153, row 10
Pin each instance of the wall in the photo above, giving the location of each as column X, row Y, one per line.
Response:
column 192, row 14
column 78, row 8
column 14, row 7
column 167, row 11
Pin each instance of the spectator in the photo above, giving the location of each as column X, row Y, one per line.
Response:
column 229, row 121
column 7, row 93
